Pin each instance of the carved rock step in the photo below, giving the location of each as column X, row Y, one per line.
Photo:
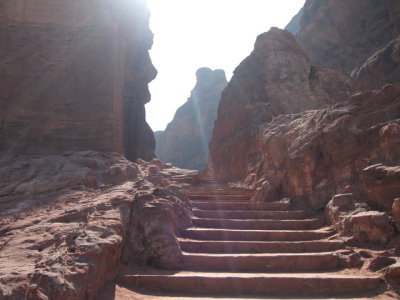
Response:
column 207, row 191
column 254, row 235
column 304, row 224
column 239, row 205
column 237, row 284
column 250, row 214
column 201, row 246
column 219, row 197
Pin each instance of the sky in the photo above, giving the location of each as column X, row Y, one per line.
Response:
column 190, row 34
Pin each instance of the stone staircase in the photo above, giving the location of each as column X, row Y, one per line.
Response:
column 239, row 248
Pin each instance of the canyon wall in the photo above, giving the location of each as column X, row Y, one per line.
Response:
column 277, row 78
column 359, row 36
column 290, row 127
column 74, row 76
column 184, row 142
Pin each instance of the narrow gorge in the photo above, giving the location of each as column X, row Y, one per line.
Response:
column 281, row 183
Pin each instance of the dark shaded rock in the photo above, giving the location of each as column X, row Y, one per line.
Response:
column 75, row 81
column 184, row 142
column 64, row 239
column 382, row 185
column 396, row 212
column 380, row 262
column 359, row 36
column 338, row 206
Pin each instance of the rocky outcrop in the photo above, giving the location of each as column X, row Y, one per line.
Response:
column 74, row 76
column 277, row 78
column 184, row 142
column 360, row 36
column 75, row 218
column 317, row 154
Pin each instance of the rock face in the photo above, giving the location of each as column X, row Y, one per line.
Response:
column 74, row 76
column 277, row 78
column 75, row 217
column 184, row 142
column 382, row 185
column 317, row 154
column 360, row 36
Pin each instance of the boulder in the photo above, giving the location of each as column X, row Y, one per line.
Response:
column 368, row 227
column 382, row 185
column 339, row 205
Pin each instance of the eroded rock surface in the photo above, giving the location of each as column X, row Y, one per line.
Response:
column 82, row 214
column 382, row 185
column 184, row 142
column 319, row 153
column 74, row 76
column 277, row 78
column 359, row 36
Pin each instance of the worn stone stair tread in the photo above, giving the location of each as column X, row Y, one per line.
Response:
column 271, row 284
column 250, row 214
column 289, row 224
column 253, row 234
column 262, row 262
column 240, row 205
column 222, row 198
column 201, row 246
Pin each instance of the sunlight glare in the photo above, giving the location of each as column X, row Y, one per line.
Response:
column 190, row 34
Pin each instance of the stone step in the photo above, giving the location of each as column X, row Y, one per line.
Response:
column 249, row 214
column 240, row 205
column 261, row 262
column 203, row 246
column 254, row 235
column 259, row 223
column 219, row 197
column 213, row 191
column 261, row 284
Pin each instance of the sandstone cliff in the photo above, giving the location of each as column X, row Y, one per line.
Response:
column 360, row 36
column 74, row 76
column 185, row 140
column 277, row 78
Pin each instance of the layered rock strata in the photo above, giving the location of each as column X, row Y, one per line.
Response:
column 74, row 76
column 184, row 142
column 360, row 36
column 71, row 220
column 277, row 78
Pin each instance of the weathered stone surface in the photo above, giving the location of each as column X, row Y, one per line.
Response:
column 338, row 206
column 71, row 232
column 363, row 38
column 277, row 78
column 74, row 76
column 317, row 154
column 396, row 212
column 380, row 68
column 382, row 185
column 393, row 271
column 380, row 262
column 184, row 143
column 370, row 226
